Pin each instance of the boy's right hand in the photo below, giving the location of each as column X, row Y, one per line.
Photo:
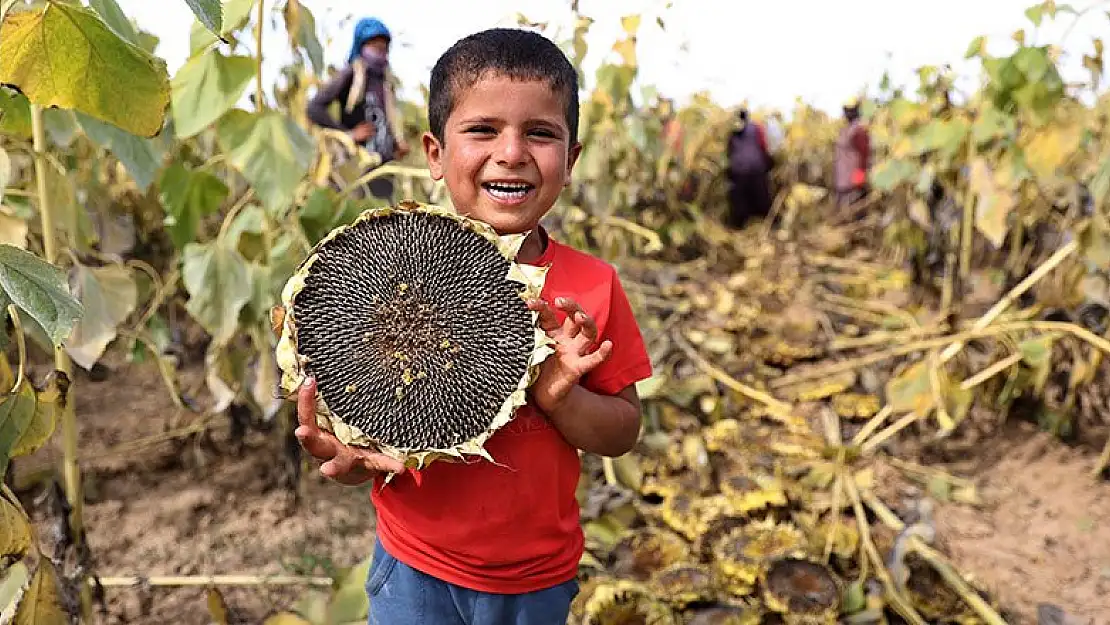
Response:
column 343, row 463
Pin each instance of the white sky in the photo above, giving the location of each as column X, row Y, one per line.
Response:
column 767, row 52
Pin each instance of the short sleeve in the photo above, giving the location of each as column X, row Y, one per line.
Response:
column 629, row 363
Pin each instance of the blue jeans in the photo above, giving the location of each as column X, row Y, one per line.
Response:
column 402, row 595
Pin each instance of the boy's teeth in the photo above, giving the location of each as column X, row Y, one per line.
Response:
column 507, row 191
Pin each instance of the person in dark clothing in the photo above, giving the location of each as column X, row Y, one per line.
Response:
column 368, row 104
column 749, row 166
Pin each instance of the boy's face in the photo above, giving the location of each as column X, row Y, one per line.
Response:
column 507, row 152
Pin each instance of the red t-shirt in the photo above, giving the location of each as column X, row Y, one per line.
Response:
column 515, row 528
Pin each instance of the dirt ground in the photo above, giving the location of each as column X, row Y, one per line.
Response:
column 1043, row 534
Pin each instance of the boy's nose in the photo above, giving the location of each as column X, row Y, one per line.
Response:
column 511, row 150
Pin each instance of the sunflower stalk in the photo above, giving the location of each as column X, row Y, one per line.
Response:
column 71, row 470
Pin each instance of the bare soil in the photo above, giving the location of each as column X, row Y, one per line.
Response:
column 1042, row 535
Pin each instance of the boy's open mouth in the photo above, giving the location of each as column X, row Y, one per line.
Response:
column 508, row 191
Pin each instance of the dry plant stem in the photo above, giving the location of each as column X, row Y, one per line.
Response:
column 1007, row 300
column 777, row 408
column 897, row 600
column 610, row 471
column 873, row 424
column 70, row 469
column 937, row 561
column 929, row 472
column 852, row 312
column 881, row 308
column 858, row 266
column 259, row 88
column 881, row 337
column 215, row 580
column 960, row 338
column 991, row 371
column 21, row 347
column 894, row 428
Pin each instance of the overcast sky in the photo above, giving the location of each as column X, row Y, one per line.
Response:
column 767, row 52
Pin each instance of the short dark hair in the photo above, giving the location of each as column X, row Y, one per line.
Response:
column 512, row 52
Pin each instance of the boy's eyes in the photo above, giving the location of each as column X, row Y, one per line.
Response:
column 485, row 129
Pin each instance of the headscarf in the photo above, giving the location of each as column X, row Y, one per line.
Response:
column 366, row 29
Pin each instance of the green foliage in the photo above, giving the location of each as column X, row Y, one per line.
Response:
column 38, row 289
column 189, row 196
column 206, row 88
column 271, row 151
column 218, row 281
column 209, row 12
column 64, row 55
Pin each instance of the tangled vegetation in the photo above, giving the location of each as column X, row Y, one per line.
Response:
column 796, row 360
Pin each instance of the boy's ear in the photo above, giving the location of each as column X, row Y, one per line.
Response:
column 433, row 151
column 572, row 159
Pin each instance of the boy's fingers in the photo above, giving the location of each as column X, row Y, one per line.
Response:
column 306, row 403
column 547, row 319
column 380, row 462
column 592, row 361
column 320, row 445
column 586, row 322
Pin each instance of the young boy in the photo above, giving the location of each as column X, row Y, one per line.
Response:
column 480, row 543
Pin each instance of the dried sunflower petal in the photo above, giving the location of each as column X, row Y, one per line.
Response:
column 744, row 553
column 642, row 551
column 683, row 584
column 619, row 603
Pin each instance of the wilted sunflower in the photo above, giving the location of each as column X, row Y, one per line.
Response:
column 413, row 321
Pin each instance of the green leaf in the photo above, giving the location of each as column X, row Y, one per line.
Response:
column 271, row 151
column 115, row 18
column 142, row 157
column 109, row 295
column 911, row 390
column 189, row 196
column 236, row 15
column 63, row 55
column 48, row 402
column 39, row 289
column 209, row 12
column 218, row 281
column 200, row 39
column 889, row 174
column 301, row 24
column 16, row 412
column 15, row 113
column 350, row 603
column 206, row 87
column 975, row 48
column 1035, row 13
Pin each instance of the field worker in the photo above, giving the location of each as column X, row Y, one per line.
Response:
column 749, row 166
column 853, row 157
column 368, row 103
column 498, row 543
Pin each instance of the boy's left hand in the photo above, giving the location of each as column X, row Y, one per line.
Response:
column 576, row 351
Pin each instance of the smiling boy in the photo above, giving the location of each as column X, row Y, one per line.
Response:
column 482, row 543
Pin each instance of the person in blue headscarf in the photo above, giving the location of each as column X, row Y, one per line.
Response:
column 368, row 103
